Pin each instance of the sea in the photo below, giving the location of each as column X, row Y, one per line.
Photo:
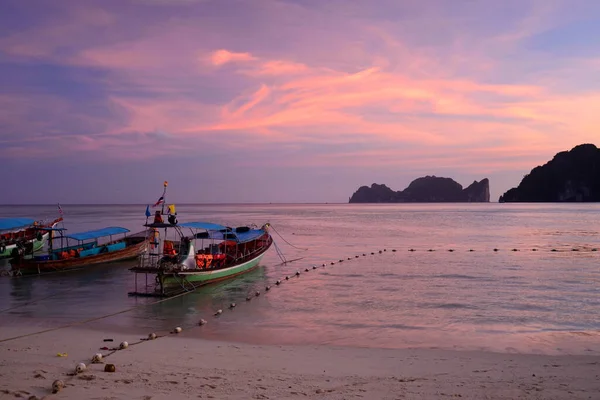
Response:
column 517, row 278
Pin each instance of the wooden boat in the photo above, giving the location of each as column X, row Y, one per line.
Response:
column 208, row 253
column 24, row 233
column 86, row 250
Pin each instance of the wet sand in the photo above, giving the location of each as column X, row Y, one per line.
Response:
column 178, row 367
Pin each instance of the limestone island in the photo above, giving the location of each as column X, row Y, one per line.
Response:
column 571, row 176
column 428, row 189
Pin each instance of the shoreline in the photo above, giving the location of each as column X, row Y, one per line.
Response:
column 183, row 366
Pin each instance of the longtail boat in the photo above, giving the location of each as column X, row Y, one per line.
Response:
column 208, row 253
column 24, row 233
column 86, row 250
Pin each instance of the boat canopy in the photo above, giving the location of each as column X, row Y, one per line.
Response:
column 232, row 237
column 209, row 226
column 98, row 233
column 14, row 223
column 252, row 234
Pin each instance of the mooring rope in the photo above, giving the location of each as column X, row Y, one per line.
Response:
column 42, row 298
column 296, row 247
column 85, row 321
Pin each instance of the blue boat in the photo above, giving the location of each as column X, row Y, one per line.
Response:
column 78, row 250
column 24, row 233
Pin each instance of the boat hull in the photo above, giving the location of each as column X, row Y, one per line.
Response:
column 199, row 278
column 32, row 266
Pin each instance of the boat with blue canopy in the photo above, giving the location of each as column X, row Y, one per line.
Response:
column 185, row 256
column 25, row 233
column 81, row 249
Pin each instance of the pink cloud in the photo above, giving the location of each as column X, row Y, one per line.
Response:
column 221, row 57
column 368, row 81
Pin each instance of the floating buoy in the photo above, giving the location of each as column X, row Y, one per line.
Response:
column 232, row 305
column 278, row 282
column 553, row 249
column 495, row 249
column 594, row 249
column 355, row 256
column 574, row 249
column 340, row 260
column 287, row 278
column 124, row 345
column 297, row 273
column 380, row 251
column 323, row 265
column 97, row 358
column 57, row 386
column 314, row 267
column 248, row 298
column 394, row 250
column 332, row 263
column 202, row 322
column 177, row 330
column 372, row 253
column 411, row 249
column 384, row 249
column 257, row 293
column 305, row 269
column 268, row 288
column 219, row 312
column 430, row 250
column 349, row 259
column 450, row 250
column 364, row 255
column 533, row 249
column 471, row 250
column 152, row 336
column 109, row 368
column 80, row 368
column 515, row 249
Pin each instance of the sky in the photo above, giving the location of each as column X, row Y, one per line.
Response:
column 287, row 100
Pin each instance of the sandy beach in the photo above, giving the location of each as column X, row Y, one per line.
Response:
column 176, row 367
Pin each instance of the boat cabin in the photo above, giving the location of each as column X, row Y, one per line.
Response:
column 84, row 244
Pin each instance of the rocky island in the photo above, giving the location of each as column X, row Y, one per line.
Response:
column 571, row 176
column 428, row 189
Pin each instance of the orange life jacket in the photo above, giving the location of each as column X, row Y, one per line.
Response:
column 168, row 248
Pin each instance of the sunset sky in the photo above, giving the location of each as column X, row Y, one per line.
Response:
column 287, row 100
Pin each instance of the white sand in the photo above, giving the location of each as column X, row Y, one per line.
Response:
column 176, row 367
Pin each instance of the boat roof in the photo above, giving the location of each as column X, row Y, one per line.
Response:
column 252, row 234
column 14, row 223
column 239, row 237
column 209, row 226
column 98, row 233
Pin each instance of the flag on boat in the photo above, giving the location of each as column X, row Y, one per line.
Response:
column 148, row 211
column 165, row 184
column 172, row 209
column 60, row 211
column 159, row 202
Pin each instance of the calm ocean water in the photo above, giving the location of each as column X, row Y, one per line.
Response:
column 523, row 301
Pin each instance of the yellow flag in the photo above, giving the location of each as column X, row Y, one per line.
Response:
column 172, row 209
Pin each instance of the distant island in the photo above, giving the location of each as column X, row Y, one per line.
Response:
column 428, row 189
column 571, row 176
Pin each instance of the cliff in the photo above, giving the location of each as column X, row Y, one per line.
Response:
column 570, row 176
column 428, row 189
